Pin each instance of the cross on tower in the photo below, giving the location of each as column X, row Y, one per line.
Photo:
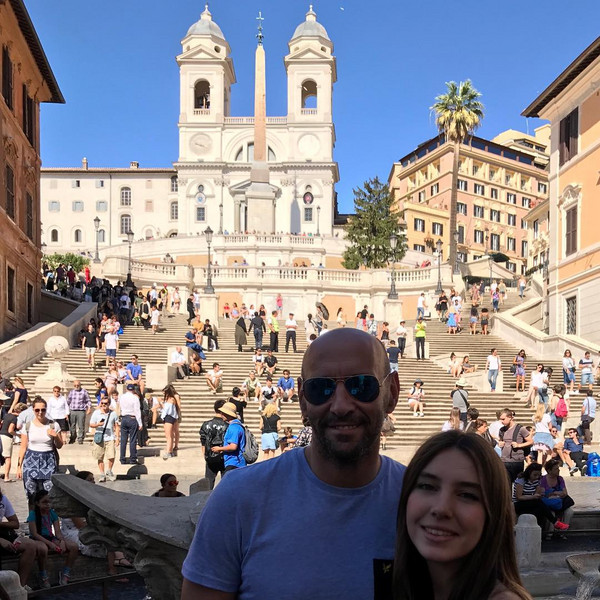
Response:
column 260, row 35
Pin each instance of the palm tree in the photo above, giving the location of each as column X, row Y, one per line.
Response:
column 458, row 113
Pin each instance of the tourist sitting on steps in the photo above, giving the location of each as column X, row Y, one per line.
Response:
column 214, row 379
column 416, row 399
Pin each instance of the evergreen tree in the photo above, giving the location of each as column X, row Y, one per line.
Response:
column 369, row 230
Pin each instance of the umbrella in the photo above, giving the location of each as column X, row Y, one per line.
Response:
column 324, row 310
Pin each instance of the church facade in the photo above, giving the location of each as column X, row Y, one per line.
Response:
column 255, row 174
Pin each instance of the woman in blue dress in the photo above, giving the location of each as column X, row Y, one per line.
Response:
column 520, row 365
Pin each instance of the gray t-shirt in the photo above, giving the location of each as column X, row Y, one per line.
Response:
column 341, row 536
column 510, row 454
column 460, row 399
column 99, row 417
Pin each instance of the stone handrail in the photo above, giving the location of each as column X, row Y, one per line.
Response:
column 250, row 120
column 146, row 272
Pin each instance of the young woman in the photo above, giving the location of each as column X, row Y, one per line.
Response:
column 527, row 498
column 568, row 365
column 168, row 487
column 485, row 321
column 416, row 399
column 44, row 527
column 456, row 366
column 20, row 392
column 40, row 439
column 452, row 323
column 270, row 425
column 170, row 415
column 467, row 367
column 455, row 524
column 542, row 440
column 473, row 319
column 341, row 317
column 454, row 421
column 520, row 366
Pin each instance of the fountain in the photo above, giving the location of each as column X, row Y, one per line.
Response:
column 586, row 567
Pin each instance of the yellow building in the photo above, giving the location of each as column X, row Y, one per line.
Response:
column 497, row 186
column 27, row 80
column 572, row 105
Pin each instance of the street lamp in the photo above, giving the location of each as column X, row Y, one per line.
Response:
column 97, row 228
column 438, row 246
column 209, row 289
column 129, row 282
column 456, row 236
column 221, row 219
column 393, row 294
column 318, row 219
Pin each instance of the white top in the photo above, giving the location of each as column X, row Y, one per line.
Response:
column 291, row 324
column 169, row 410
column 6, row 508
column 401, row 331
column 543, row 426
column 38, row 439
column 110, row 341
column 494, row 429
column 177, row 357
column 568, row 363
column 537, row 379
column 214, row 374
column 258, row 358
column 447, row 426
column 57, row 408
column 421, row 302
column 155, row 316
column 130, row 405
column 100, row 417
column 493, row 362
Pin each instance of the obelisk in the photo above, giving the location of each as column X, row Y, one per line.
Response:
column 260, row 195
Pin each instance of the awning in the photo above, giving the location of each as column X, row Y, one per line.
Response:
column 481, row 268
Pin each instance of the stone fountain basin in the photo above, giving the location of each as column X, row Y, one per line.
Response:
column 584, row 563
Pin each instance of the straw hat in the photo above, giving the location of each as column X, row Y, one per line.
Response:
column 228, row 409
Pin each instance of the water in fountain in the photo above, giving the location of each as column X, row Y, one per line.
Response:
column 587, row 584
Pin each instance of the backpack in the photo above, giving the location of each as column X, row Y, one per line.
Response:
column 561, row 410
column 250, row 452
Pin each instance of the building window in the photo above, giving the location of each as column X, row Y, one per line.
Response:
column 475, row 170
column 512, row 220
column 511, row 244
column 571, row 315
column 7, row 78
column 542, row 188
column 492, row 175
column 99, row 183
column 495, row 242
column 54, row 236
column 480, row 189
column 126, row 196
column 461, row 257
column 202, row 94
column 77, row 237
column 478, row 236
column 174, row 184
column 101, row 206
column 526, row 202
column 494, row 193
column 422, row 196
column 536, row 260
column 54, row 206
column 149, row 234
column 11, row 290
column 524, row 248
column 101, row 236
column 509, row 178
column 495, row 215
column 29, row 303
column 125, row 224
column 10, row 192
column 77, row 206
column 461, row 208
column 461, row 235
column 567, row 141
column 419, row 247
column 511, row 198
column 200, row 214
column 511, row 266
column 571, row 231
column 536, row 229
column 149, row 205
column 28, row 116
column 462, row 185
column 435, row 189
column 76, row 183
column 437, row 229
column 174, row 212
column 420, row 225
column 523, row 224
column 478, row 212
column 29, row 216
column 308, row 214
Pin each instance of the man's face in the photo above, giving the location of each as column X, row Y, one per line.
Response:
column 344, row 428
column 286, row 374
column 506, row 419
column 134, row 359
column 76, row 384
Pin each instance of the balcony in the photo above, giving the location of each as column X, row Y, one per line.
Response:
column 202, row 112
column 308, row 111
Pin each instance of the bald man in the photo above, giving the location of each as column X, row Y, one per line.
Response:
column 338, row 494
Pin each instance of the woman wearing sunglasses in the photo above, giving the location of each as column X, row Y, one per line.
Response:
column 168, row 489
column 38, row 457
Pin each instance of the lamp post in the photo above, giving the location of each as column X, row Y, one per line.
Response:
column 129, row 282
column 438, row 246
column 209, row 289
column 97, row 228
column 221, row 219
column 393, row 294
column 318, row 220
column 456, row 235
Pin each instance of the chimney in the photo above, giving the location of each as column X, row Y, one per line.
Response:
column 84, row 163
column 134, row 164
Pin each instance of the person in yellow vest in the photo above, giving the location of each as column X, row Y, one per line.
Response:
column 273, row 324
column 420, row 333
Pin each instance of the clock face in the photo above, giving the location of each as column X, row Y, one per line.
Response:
column 308, row 198
column 200, row 143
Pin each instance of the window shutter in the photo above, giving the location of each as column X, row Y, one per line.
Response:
column 573, row 132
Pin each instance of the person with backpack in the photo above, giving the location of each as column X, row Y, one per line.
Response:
column 212, row 433
column 559, row 408
column 514, row 438
column 234, row 440
column 460, row 400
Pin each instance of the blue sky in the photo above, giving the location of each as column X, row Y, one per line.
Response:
column 115, row 63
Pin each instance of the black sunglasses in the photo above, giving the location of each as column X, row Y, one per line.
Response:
column 319, row 390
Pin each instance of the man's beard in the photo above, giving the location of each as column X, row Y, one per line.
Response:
column 330, row 449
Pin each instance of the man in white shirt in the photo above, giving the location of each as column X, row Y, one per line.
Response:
column 131, row 424
column 402, row 332
column 290, row 332
column 58, row 410
column 111, row 345
column 214, row 378
column 179, row 362
column 421, row 306
column 493, row 366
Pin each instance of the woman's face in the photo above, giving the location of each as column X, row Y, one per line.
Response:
column 171, row 484
column 535, row 475
column 39, row 410
column 44, row 504
column 554, row 471
column 445, row 515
